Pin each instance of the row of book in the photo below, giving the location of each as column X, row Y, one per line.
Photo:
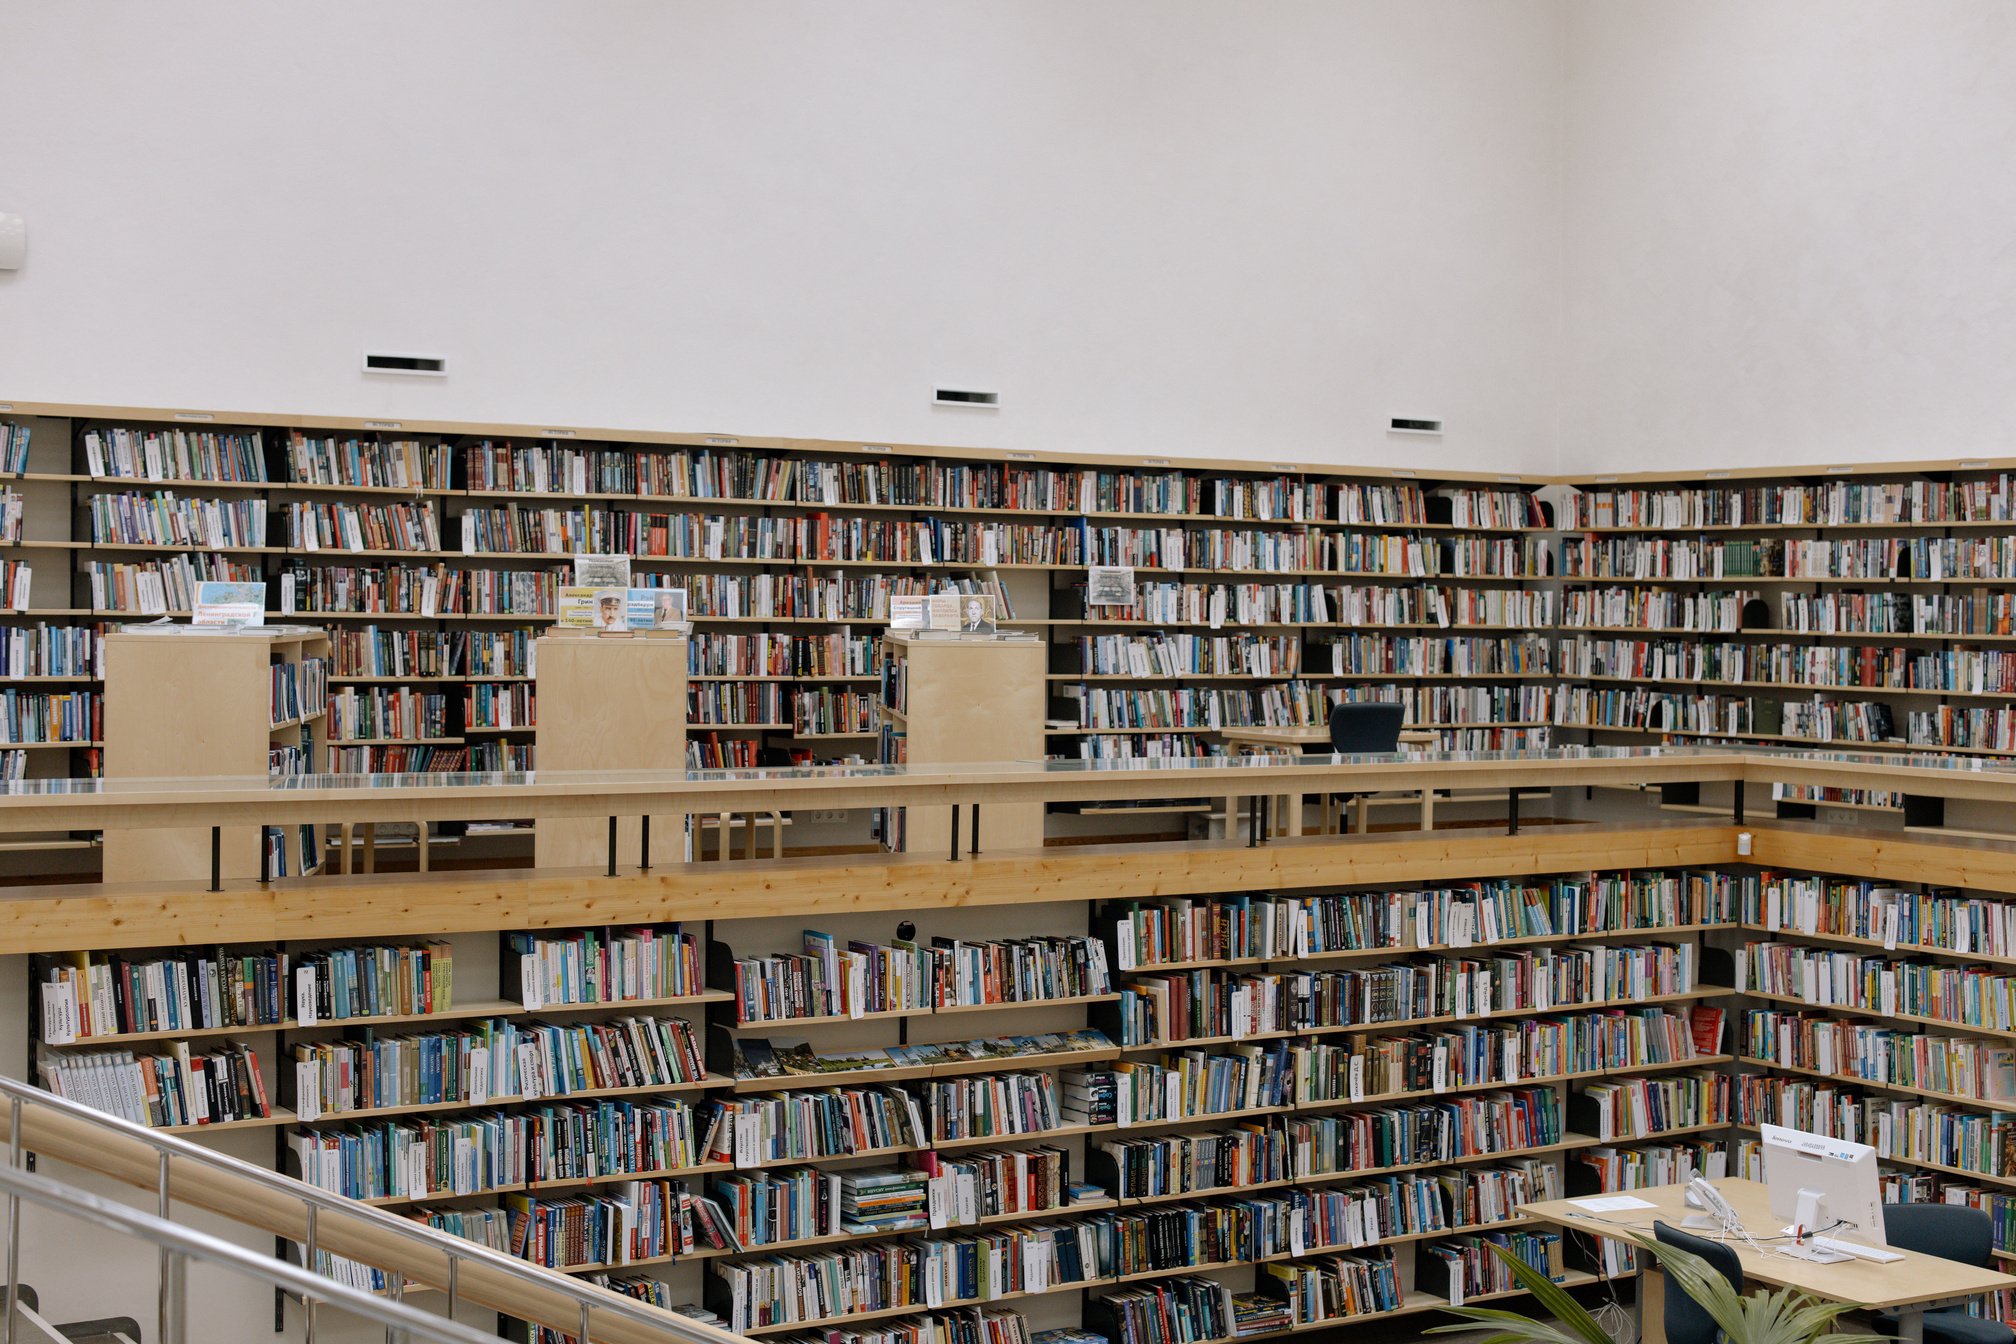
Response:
column 402, row 759
column 1896, row 1127
column 771, row 655
column 174, row 454
column 182, row 1086
column 828, row 979
column 1268, row 926
column 17, row 584
column 332, row 526
column 1955, row 1066
column 1636, row 1107
column 14, row 439
column 168, row 519
column 499, row 705
column 1475, row 655
column 1293, row 703
column 1981, row 612
column 1648, row 558
column 1167, row 655
column 1397, row 556
column 375, row 652
column 745, row 475
column 754, row 1057
column 1443, row 608
column 300, row 689
column 1459, row 705
column 157, row 587
column 1472, row 1055
column 499, row 754
column 377, row 464
column 612, row 965
column 1644, row 710
column 1862, row 667
column 467, row 1153
column 51, row 716
column 386, row 712
column 492, row 1059
column 44, row 650
column 1654, row 609
column 1964, row 996
column 1923, row 559
column 1175, row 1006
column 1987, row 498
column 1879, row 912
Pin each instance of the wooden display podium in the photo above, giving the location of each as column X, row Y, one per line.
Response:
column 953, row 701
column 609, row 703
column 186, row 706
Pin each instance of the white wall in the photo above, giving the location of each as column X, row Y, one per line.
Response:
column 1160, row 226
column 1788, row 232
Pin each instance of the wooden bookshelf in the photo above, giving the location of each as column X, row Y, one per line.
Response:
column 608, row 703
column 191, row 706
column 949, row 701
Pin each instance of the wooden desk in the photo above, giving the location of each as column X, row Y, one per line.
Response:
column 1288, row 807
column 1906, row 1286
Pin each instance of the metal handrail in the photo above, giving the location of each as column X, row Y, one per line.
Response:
column 589, row 1299
column 180, row 1245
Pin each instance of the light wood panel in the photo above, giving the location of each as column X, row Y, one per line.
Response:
column 608, row 704
column 1956, row 861
column 972, row 701
column 182, row 707
column 59, row 918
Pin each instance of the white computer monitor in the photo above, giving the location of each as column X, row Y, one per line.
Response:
column 1827, row 1186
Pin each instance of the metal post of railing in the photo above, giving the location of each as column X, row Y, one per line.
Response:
column 308, row 1256
column 644, row 843
column 216, row 858
column 13, row 1226
column 395, row 1285
column 1739, row 802
column 955, row 832
column 583, row 1336
column 976, row 830
column 612, row 846
column 454, row 1284
column 162, row 1269
column 175, row 1329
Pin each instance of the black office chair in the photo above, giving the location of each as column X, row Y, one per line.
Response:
column 1686, row 1321
column 1371, row 728
column 1951, row 1232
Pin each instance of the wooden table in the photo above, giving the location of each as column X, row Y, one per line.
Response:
column 1906, row 1286
column 1287, row 808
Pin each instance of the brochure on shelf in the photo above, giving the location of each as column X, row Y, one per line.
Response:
column 603, row 610
column 230, row 604
column 602, row 571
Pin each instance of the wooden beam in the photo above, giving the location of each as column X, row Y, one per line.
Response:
column 1945, row 861
column 62, row 918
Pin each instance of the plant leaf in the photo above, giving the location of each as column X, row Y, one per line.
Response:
column 1553, row 1299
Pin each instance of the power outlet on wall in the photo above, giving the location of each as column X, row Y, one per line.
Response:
column 828, row 817
column 1837, row 816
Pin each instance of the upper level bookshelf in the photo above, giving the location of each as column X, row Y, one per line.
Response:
column 1862, row 604
column 433, row 550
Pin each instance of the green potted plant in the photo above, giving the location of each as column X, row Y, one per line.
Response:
column 1782, row 1316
